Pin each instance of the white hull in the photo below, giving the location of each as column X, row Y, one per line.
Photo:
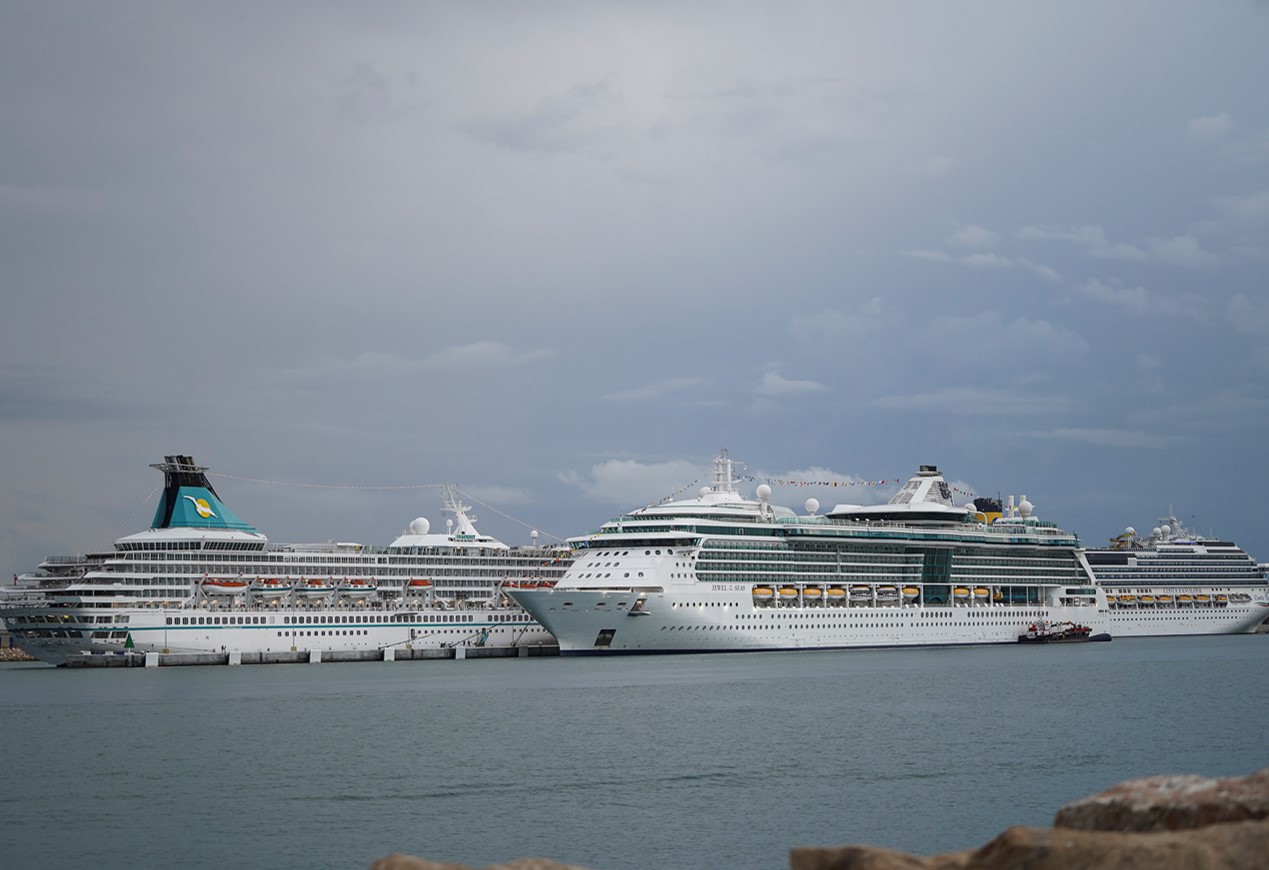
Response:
column 1160, row 620
column 291, row 629
column 701, row 621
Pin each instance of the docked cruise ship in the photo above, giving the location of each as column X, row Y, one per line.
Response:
column 721, row 572
column 200, row 579
column 1174, row 581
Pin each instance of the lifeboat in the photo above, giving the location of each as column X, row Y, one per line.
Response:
column 419, row 585
column 1184, row 598
column 357, row 588
column 1240, row 597
column 836, row 593
column 314, row 588
column 910, row 592
column 270, row 587
column 1127, row 599
column 788, row 593
column 1221, row 599
column 1146, row 599
column 997, row 596
column 1203, row 599
column 960, row 592
column 1163, row 599
column 763, row 593
column 811, row 592
column 224, row 587
column 887, row 592
column 981, row 593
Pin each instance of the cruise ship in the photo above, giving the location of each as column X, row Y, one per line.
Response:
column 1174, row 581
column 200, row 580
column 719, row 572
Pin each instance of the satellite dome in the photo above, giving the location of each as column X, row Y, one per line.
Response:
column 704, row 491
column 812, row 505
column 1165, row 529
column 1156, row 532
column 764, row 492
column 1025, row 507
column 1130, row 531
column 419, row 526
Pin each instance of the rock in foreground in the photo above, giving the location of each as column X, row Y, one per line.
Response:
column 1159, row 823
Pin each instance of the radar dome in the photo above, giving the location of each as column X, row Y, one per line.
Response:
column 419, row 526
column 1130, row 531
column 704, row 491
column 812, row 505
column 1025, row 507
column 1156, row 532
column 1165, row 529
column 764, row 492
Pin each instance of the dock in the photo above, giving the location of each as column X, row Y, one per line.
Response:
column 307, row 656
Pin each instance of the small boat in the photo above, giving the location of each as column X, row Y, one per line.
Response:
column 1127, row 599
column 1146, row 599
column 270, row 587
column 1163, row 599
column 788, row 593
column 960, row 592
column 860, row 593
column 1203, row 599
column 357, row 588
column 763, row 593
column 314, row 588
column 910, row 592
column 888, row 593
column 224, row 587
column 836, row 593
column 1184, row 598
column 419, row 585
column 981, row 593
column 1221, row 599
column 1044, row 631
column 811, row 593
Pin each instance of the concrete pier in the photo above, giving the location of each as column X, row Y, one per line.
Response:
column 237, row 657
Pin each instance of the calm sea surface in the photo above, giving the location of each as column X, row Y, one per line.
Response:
column 721, row 761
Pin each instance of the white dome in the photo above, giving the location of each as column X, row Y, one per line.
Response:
column 704, row 491
column 419, row 526
column 764, row 492
column 1025, row 508
column 1165, row 529
column 812, row 505
column 1130, row 531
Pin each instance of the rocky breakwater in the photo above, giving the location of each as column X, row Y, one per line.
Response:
column 1160, row 822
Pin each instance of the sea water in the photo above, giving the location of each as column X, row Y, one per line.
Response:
column 705, row 761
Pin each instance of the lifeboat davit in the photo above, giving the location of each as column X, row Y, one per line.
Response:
column 860, row 593
column 224, row 587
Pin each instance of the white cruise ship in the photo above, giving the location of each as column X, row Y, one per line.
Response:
column 1174, row 581
column 720, row 572
column 202, row 580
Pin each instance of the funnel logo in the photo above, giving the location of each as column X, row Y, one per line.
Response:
column 201, row 505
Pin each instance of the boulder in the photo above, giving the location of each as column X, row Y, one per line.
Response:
column 1170, row 803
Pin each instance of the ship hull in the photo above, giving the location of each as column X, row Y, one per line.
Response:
column 142, row 630
column 601, row 623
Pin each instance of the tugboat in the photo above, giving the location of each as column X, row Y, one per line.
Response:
column 1044, row 631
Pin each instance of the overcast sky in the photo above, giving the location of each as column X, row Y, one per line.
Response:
column 560, row 254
